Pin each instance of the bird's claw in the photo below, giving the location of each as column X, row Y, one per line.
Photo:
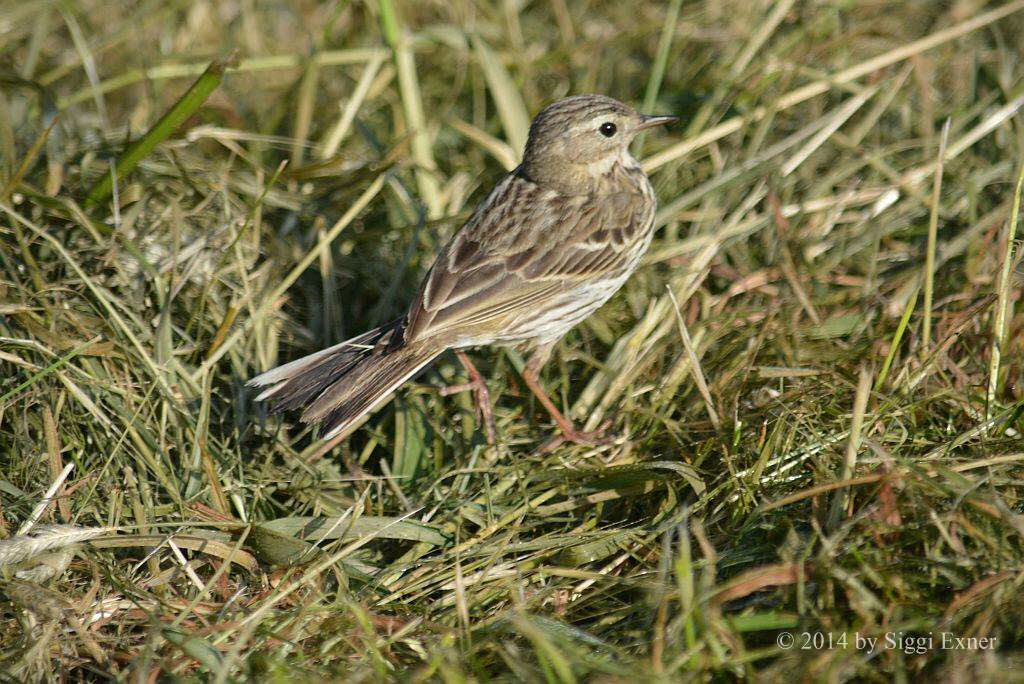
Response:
column 482, row 403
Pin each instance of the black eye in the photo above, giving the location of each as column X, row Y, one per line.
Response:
column 608, row 129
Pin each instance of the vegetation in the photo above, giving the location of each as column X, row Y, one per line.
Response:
column 815, row 379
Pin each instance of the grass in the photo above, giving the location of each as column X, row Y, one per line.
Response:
column 815, row 378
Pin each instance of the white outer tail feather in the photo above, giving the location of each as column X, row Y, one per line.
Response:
column 362, row 383
column 281, row 374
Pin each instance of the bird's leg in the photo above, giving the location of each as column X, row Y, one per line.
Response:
column 480, row 394
column 531, row 376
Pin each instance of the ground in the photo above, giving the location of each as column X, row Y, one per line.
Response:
column 814, row 380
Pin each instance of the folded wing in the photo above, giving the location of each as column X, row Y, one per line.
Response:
column 523, row 248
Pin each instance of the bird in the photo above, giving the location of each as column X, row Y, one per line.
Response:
column 552, row 242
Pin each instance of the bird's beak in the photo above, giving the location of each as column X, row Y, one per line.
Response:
column 652, row 121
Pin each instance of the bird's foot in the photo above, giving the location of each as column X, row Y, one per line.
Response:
column 482, row 398
column 569, row 433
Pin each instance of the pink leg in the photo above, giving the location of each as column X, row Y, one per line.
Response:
column 531, row 376
column 479, row 387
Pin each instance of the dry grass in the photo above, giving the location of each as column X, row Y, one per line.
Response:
column 798, row 452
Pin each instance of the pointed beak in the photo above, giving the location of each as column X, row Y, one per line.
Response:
column 652, row 121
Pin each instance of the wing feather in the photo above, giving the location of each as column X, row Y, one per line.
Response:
column 523, row 246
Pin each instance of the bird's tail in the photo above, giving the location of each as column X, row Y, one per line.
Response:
column 339, row 385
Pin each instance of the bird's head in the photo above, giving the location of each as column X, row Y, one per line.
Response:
column 574, row 141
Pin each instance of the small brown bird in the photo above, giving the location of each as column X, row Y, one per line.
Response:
column 552, row 242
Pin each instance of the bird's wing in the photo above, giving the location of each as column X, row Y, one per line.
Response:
column 522, row 247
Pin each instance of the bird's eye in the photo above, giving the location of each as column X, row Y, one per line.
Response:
column 608, row 129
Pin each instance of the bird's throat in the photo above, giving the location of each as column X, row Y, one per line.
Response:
column 566, row 177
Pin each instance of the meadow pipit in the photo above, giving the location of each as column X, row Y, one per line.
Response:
column 552, row 242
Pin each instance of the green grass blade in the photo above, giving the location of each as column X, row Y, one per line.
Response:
column 933, row 237
column 185, row 107
column 895, row 345
column 1003, row 305
column 62, row 361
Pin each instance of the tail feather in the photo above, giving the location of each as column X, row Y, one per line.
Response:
column 361, row 392
column 339, row 385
